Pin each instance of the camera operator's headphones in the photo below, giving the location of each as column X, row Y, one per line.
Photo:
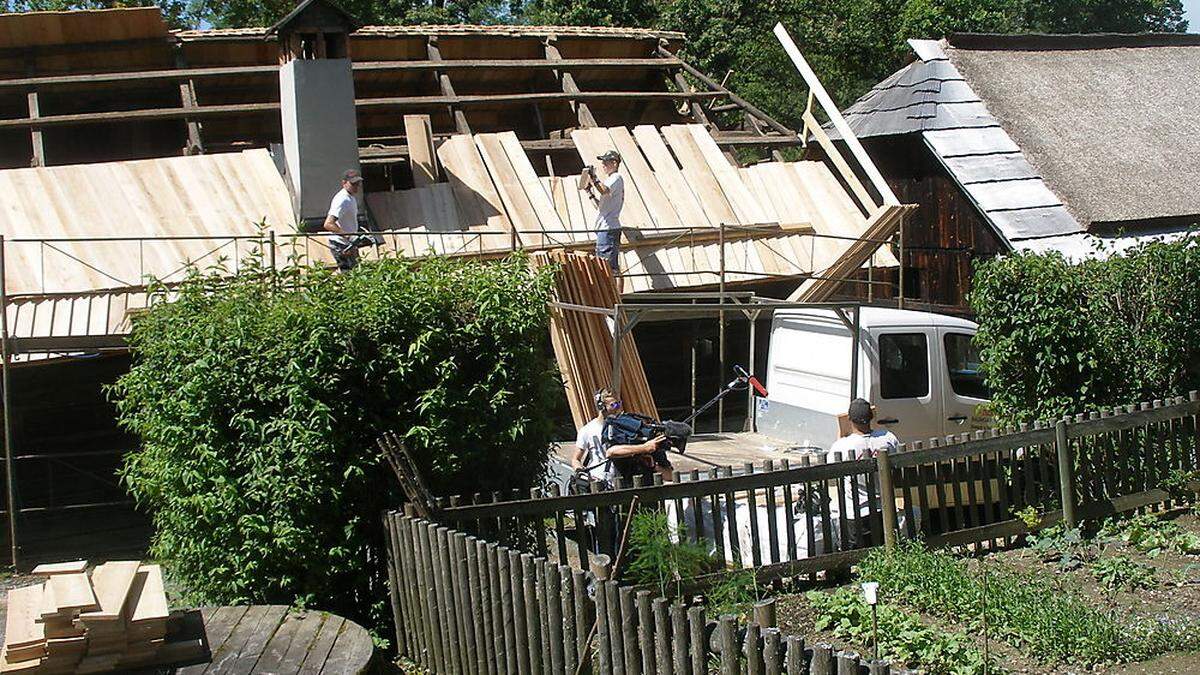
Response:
column 598, row 398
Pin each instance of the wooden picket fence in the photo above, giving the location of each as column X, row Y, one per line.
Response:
column 510, row 583
column 822, row 513
column 463, row 605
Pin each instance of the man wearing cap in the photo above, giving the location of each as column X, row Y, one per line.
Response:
column 860, row 443
column 611, row 197
column 343, row 219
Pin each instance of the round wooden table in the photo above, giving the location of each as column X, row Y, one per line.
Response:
column 277, row 639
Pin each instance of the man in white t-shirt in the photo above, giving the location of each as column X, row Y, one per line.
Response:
column 860, row 443
column 589, row 444
column 343, row 219
column 608, row 193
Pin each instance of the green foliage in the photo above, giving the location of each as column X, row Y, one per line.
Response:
column 1120, row 573
column 1057, row 337
column 1151, row 535
column 660, row 557
column 258, row 408
column 1032, row 612
column 902, row 636
column 733, row 593
column 1067, row 548
column 1030, row 517
column 1178, row 484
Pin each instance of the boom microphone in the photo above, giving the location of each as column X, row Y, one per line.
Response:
column 762, row 391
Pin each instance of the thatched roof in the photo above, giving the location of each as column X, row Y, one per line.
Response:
column 1104, row 130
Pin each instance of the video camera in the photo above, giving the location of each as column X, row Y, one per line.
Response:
column 632, row 429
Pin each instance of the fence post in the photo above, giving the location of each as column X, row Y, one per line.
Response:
column 1195, row 396
column 1066, row 473
column 764, row 613
column 887, row 498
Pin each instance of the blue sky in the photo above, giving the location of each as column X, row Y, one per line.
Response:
column 1192, row 9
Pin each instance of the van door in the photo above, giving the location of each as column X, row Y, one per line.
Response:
column 963, row 390
column 902, row 386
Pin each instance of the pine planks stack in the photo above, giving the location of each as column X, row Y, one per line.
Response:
column 112, row 619
column 583, row 341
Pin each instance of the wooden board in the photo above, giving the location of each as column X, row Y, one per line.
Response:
column 422, row 158
column 591, row 143
column 512, row 194
column 73, row 567
column 638, row 170
column 112, row 583
column 473, row 187
column 69, row 593
column 147, row 598
column 670, row 177
column 20, row 627
column 745, row 207
column 536, row 192
column 699, row 175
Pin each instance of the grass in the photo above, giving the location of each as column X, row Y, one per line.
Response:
column 1034, row 613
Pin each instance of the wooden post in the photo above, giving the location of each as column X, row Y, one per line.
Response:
column 393, row 564
column 822, row 660
column 520, row 632
column 584, row 615
column 721, row 326
column 460, row 119
column 615, row 625
column 583, row 112
column 603, row 643
column 495, row 580
column 1194, row 396
column 727, row 630
column 428, row 588
column 764, row 613
column 753, row 648
column 508, row 621
column 478, row 612
column 637, row 636
column 795, row 656
column 35, row 135
column 679, row 640
column 554, row 617
column 887, row 498
column 532, row 617
column 569, row 619
column 697, row 644
column 772, row 661
column 1066, row 474
column 847, row 663
column 662, row 637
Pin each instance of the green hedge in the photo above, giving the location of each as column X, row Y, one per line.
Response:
column 258, row 411
column 1058, row 338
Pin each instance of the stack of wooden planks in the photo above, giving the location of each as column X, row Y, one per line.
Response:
column 583, row 341
column 75, row 622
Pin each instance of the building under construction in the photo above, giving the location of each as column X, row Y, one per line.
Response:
column 131, row 151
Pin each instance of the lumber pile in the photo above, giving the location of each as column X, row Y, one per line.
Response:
column 74, row 621
column 583, row 341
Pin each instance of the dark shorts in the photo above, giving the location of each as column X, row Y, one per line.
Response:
column 608, row 246
column 345, row 257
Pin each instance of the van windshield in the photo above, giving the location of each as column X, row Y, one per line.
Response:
column 962, row 364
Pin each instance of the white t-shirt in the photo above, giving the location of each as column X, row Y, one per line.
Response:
column 344, row 207
column 878, row 439
column 589, row 440
column 608, row 211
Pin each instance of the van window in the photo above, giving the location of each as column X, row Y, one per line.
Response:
column 962, row 363
column 903, row 365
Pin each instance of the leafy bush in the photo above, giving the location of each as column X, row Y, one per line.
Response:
column 1151, row 535
column 1057, row 338
column 258, row 405
column 1120, row 573
column 902, row 636
column 1066, row 547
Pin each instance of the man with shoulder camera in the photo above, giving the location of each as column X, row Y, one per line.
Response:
column 608, row 194
column 589, row 444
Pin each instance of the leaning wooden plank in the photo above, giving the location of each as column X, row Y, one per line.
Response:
column 112, row 582
column 512, row 194
column 73, row 567
column 670, row 177
column 699, row 175
column 551, row 224
column 147, row 598
column 638, row 170
column 591, row 143
column 20, row 629
column 421, row 155
column 468, row 177
column 882, row 225
column 744, row 205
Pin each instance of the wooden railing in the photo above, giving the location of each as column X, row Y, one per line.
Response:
column 820, row 513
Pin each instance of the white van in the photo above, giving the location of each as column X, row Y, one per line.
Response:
column 919, row 369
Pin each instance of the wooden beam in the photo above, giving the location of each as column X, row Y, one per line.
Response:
column 880, row 226
column 456, row 113
column 187, row 96
column 582, row 111
column 35, row 134
column 405, row 102
column 181, row 74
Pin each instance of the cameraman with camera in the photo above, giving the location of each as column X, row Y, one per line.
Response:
column 590, row 450
column 608, row 194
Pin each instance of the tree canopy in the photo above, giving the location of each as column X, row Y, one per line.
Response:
column 852, row 44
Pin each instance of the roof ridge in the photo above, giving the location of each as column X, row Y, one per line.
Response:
column 1069, row 41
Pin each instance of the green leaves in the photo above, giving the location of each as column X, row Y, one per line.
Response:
column 1059, row 338
column 258, row 408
